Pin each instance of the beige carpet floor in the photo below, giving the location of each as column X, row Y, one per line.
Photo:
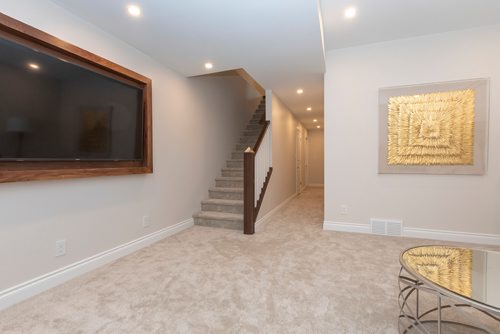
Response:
column 292, row 277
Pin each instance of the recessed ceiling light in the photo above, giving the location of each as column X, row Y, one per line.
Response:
column 209, row 66
column 315, row 120
column 134, row 10
column 350, row 12
column 309, row 109
column 318, row 127
column 34, row 66
column 300, row 91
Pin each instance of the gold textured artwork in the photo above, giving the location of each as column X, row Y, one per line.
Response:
column 448, row 267
column 431, row 129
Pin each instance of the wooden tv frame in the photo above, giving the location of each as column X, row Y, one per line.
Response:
column 12, row 171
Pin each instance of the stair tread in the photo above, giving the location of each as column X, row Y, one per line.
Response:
column 229, row 178
column 232, row 169
column 218, row 215
column 225, row 189
column 222, row 201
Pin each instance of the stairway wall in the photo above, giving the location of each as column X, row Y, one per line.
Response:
column 191, row 141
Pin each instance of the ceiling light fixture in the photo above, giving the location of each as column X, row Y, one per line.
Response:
column 300, row 91
column 34, row 66
column 318, row 127
column 134, row 10
column 209, row 66
column 350, row 12
column 315, row 120
column 309, row 109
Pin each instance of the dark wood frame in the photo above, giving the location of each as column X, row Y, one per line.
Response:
column 11, row 171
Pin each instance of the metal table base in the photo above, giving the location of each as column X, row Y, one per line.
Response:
column 414, row 320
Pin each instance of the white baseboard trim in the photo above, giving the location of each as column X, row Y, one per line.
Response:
column 474, row 238
column 316, row 185
column 42, row 283
column 259, row 224
column 345, row 227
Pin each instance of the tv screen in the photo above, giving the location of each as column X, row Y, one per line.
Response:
column 52, row 109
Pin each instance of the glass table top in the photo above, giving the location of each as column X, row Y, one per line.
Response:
column 470, row 273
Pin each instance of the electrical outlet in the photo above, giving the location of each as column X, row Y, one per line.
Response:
column 146, row 221
column 60, row 247
column 344, row 210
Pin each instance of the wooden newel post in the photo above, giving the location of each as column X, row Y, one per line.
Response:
column 248, row 191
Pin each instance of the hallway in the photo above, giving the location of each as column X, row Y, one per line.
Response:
column 291, row 277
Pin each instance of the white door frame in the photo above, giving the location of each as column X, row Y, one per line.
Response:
column 306, row 158
column 298, row 161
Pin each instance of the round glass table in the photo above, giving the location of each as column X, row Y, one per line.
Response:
column 446, row 289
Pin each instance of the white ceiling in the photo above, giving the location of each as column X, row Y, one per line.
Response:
column 278, row 42
column 383, row 20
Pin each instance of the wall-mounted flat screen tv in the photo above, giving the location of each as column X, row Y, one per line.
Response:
column 68, row 113
column 52, row 109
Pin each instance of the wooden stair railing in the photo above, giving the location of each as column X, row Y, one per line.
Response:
column 250, row 207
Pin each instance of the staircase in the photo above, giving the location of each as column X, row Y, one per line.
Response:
column 224, row 206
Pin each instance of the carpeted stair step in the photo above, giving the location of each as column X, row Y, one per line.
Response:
column 229, row 182
column 254, row 133
column 248, row 140
column 235, row 163
column 237, row 155
column 253, row 127
column 232, row 172
column 222, row 205
column 250, row 135
column 232, row 221
column 226, row 193
column 254, row 122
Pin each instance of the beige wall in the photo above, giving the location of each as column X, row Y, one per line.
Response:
column 196, row 125
column 442, row 202
column 316, row 157
column 284, row 130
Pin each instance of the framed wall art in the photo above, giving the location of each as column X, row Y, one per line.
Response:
column 438, row 128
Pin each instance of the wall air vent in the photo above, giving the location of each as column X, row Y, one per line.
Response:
column 378, row 226
column 394, row 227
column 386, row 227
